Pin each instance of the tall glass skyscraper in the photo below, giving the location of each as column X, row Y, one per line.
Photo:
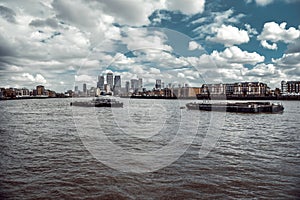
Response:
column 100, row 83
column 110, row 80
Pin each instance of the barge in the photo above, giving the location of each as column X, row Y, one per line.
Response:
column 243, row 107
column 99, row 102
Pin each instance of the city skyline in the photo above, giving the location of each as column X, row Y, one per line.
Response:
column 192, row 42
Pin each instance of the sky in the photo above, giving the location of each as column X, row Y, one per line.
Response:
column 63, row 43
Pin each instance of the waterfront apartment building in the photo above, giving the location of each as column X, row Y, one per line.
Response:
column 290, row 87
column 236, row 89
column 250, row 89
column 40, row 90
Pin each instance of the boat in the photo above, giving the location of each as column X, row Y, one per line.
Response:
column 99, row 102
column 239, row 107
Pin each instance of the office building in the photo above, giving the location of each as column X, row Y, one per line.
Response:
column 84, row 89
column 127, row 87
column 158, row 84
column 134, row 84
column 110, row 80
column 140, row 85
column 100, row 83
column 117, row 85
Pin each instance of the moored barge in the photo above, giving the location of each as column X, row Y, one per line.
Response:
column 99, row 102
column 243, row 107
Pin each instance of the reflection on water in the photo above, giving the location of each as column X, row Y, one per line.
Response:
column 43, row 156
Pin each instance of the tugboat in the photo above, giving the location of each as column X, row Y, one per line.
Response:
column 245, row 107
column 99, row 102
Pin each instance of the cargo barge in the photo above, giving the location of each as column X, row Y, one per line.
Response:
column 99, row 102
column 243, row 107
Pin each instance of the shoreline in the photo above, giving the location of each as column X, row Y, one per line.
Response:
column 279, row 98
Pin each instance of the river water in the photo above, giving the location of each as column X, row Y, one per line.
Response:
column 150, row 149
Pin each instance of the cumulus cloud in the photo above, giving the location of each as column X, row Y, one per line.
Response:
column 229, row 35
column 236, row 55
column 263, row 2
column 142, row 38
column 267, row 2
column 84, row 37
column 136, row 12
column 42, row 23
column 84, row 78
column 291, row 60
column 294, row 47
column 208, row 25
column 251, row 31
column 194, row 45
column 187, row 6
column 263, row 70
column 266, row 45
column 38, row 78
column 277, row 32
column 8, row 14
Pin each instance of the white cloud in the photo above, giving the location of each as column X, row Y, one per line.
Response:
column 266, row 45
column 142, row 38
column 180, row 75
column 260, row 2
column 15, row 68
column 194, row 46
column 263, row 70
column 154, row 70
column 136, row 12
column 251, row 31
column 229, row 35
column 267, row 2
column 209, row 24
column 277, row 32
column 28, row 77
column 85, row 78
column 263, row 2
column 187, row 6
column 236, row 55
column 291, row 60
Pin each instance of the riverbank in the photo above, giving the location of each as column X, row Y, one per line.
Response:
column 237, row 98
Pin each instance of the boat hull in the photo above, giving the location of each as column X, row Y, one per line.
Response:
column 90, row 104
column 249, row 107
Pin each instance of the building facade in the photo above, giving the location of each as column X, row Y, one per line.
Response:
column 100, row 83
column 117, row 85
column 110, row 80
column 40, row 90
column 290, row 87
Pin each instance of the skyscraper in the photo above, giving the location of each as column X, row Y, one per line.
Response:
column 158, row 84
column 117, row 84
column 140, row 85
column 127, row 86
column 100, row 83
column 110, row 80
column 134, row 84
column 84, row 88
column 117, row 81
